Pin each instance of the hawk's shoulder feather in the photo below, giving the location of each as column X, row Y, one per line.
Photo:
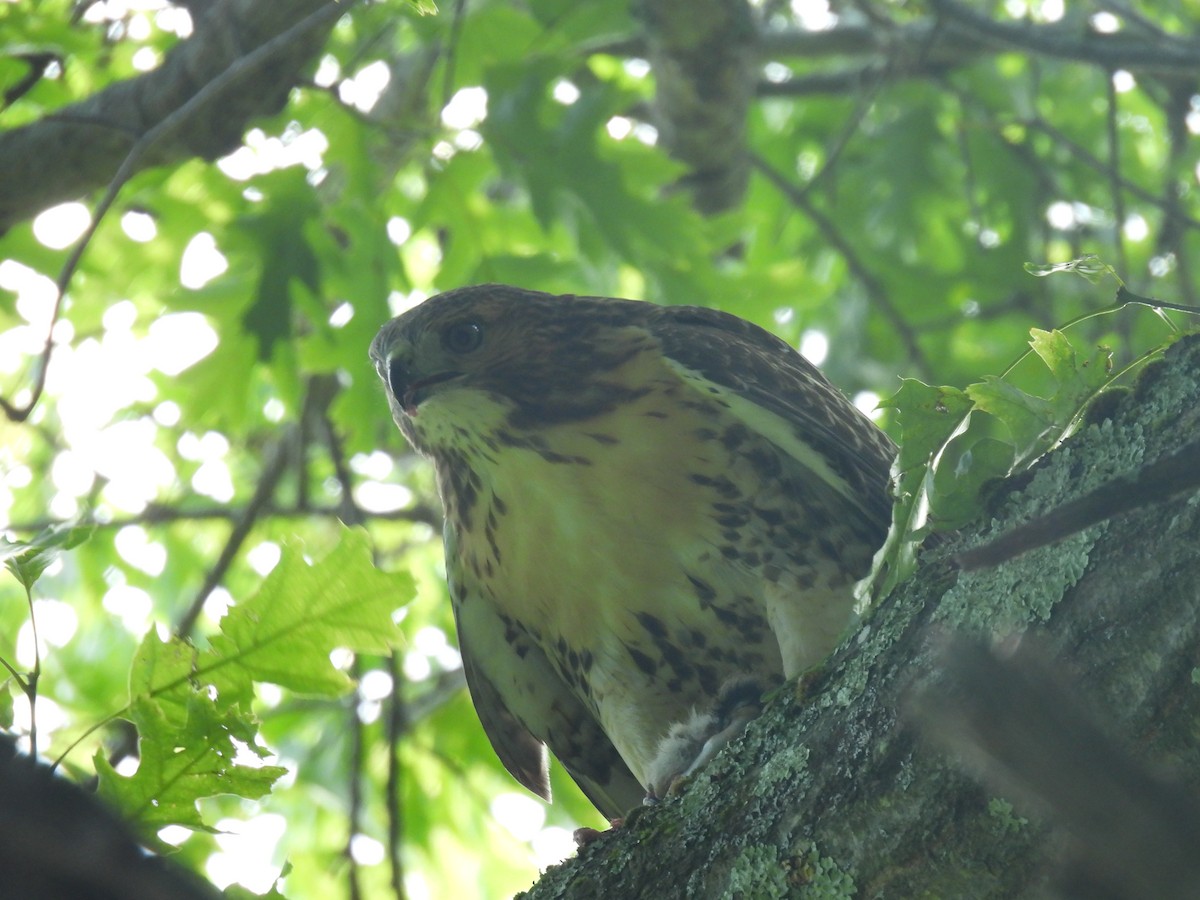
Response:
column 750, row 363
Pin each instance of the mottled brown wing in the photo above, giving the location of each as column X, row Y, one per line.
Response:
column 580, row 744
column 523, row 755
column 614, row 793
column 750, row 363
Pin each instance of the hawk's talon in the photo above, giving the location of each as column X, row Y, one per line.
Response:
column 588, row 835
column 693, row 742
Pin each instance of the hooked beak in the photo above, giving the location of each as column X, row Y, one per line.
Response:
column 409, row 392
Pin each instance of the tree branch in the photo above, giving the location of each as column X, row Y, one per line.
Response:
column 1012, row 717
column 1157, row 483
column 80, row 148
column 963, row 36
column 159, row 514
column 273, row 471
column 702, row 53
column 874, row 288
column 1166, row 56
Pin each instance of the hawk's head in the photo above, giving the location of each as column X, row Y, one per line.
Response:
column 501, row 357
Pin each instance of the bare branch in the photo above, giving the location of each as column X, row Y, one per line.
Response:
column 1091, row 160
column 397, row 715
column 964, row 36
column 156, row 137
column 272, row 472
column 354, row 815
column 159, row 514
column 1157, row 483
column 1165, row 55
column 871, row 284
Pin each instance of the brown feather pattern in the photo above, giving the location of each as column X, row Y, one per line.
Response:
column 642, row 503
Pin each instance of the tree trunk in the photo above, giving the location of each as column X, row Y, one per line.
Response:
column 837, row 794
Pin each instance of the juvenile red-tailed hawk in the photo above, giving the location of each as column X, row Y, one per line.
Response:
column 647, row 509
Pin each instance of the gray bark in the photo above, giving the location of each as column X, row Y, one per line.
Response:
column 835, row 794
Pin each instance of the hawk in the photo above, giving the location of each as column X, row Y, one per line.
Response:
column 650, row 511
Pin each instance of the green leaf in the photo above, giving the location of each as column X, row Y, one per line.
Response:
column 285, row 633
column 1077, row 382
column 162, row 671
column 190, row 734
column 188, row 747
column 1057, row 352
column 1036, row 423
column 237, row 892
column 179, row 766
column 927, row 416
column 6, row 704
column 968, row 464
column 1088, row 266
column 27, row 560
column 1031, row 420
column 288, row 261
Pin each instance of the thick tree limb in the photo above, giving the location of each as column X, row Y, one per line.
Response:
column 58, row 841
column 706, row 57
column 81, row 147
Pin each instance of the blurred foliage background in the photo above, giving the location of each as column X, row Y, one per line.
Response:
column 867, row 178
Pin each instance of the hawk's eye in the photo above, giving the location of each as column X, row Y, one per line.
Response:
column 462, row 337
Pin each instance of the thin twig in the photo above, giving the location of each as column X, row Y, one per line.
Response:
column 355, row 813
column 456, row 23
column 875, row 290
column 1131, row 15
column 397, row 719
column 846, row 80
column 351, row 513
column 1084, row 155
column 272, row 472
column 31, row 681
column 157, row 514
column 1114, row 174
column 1165, row 55
column 834, row 150
column 1157, row 483
column 1172, row 229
